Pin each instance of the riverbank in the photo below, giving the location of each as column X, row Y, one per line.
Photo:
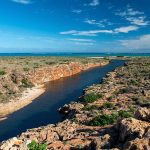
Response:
column 27, row 81
column 111, row 115
column 26, row 98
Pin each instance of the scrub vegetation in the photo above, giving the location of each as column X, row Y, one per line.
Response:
column 15, row 72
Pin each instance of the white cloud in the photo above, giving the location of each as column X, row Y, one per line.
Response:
column 132, row 12
column 140, row 43
column 126, row 29
column 22, row 1
column 79, row 41
column 129, row 12
column 84, row 43
column 86, row 33
column 96, row 32
column 68, row 32
column 140, row 21
column 82, row 40
column 133, row 16
column 94, row 22
column 101, row 23
column 94, row 3
column 77, row 11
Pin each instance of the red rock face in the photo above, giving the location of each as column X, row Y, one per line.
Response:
column 40, row 76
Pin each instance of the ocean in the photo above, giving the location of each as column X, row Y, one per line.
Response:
column 78, row 54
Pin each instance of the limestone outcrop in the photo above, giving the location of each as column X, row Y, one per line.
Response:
column 42, row 75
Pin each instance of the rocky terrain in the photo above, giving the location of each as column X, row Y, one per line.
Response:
column 19, row 73
column 112, row 115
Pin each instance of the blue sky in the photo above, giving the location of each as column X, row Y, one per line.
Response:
column 74, row 26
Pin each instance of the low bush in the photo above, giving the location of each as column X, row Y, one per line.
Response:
column 107, row 119
column 123, row 91
column 134, row 82
column 103, row 120
column 90, row 107
column 91, row 97
column 124, row 114
column 110, row 98
column 35, row 146
column 132, row 108
column 26, row 83
column 26, row 69
column 50, row 63
column 108, row 105
column 2, row 72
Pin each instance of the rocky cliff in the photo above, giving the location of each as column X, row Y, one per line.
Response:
column 42, row 75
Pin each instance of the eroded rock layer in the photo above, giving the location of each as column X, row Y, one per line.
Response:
column 42, row 75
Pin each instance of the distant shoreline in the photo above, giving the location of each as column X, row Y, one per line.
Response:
column 61, row 54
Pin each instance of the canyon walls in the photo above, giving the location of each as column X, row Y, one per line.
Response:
column 42, row 75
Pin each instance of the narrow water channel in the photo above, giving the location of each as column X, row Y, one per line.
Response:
column 43, row 110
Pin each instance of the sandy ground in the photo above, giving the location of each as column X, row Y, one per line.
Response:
column 27, row 97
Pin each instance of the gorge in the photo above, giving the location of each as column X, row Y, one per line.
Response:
column 43, row 110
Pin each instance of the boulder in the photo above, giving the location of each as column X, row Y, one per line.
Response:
column 138, row 144
column 143, row 114
column 64, row 110
column 66, row 130
column 130, row 129
column 11, row 144
column 102, row 142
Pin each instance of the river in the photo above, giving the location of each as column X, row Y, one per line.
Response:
column 43, row 110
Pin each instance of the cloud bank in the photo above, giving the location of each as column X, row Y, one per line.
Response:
column 141, row 42
column 22, row 1
column 96, row 32
column 94, row 3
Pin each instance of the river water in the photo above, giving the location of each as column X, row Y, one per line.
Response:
column 43, row 110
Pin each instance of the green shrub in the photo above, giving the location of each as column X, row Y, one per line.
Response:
column 124, row 114
column 11, row 92
column 134, row 82
column 2, row 72
column 26, row 69
column 125, row 90
column 35, row 146
column 36, row 65
column 50, row 63
column 26, row 83
column 110, row 98
column 107, row 119
column 80, row 146
column 103, row 120
column 108, row 105
column 91, row 97
column 90, row 107
column 131, row 108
